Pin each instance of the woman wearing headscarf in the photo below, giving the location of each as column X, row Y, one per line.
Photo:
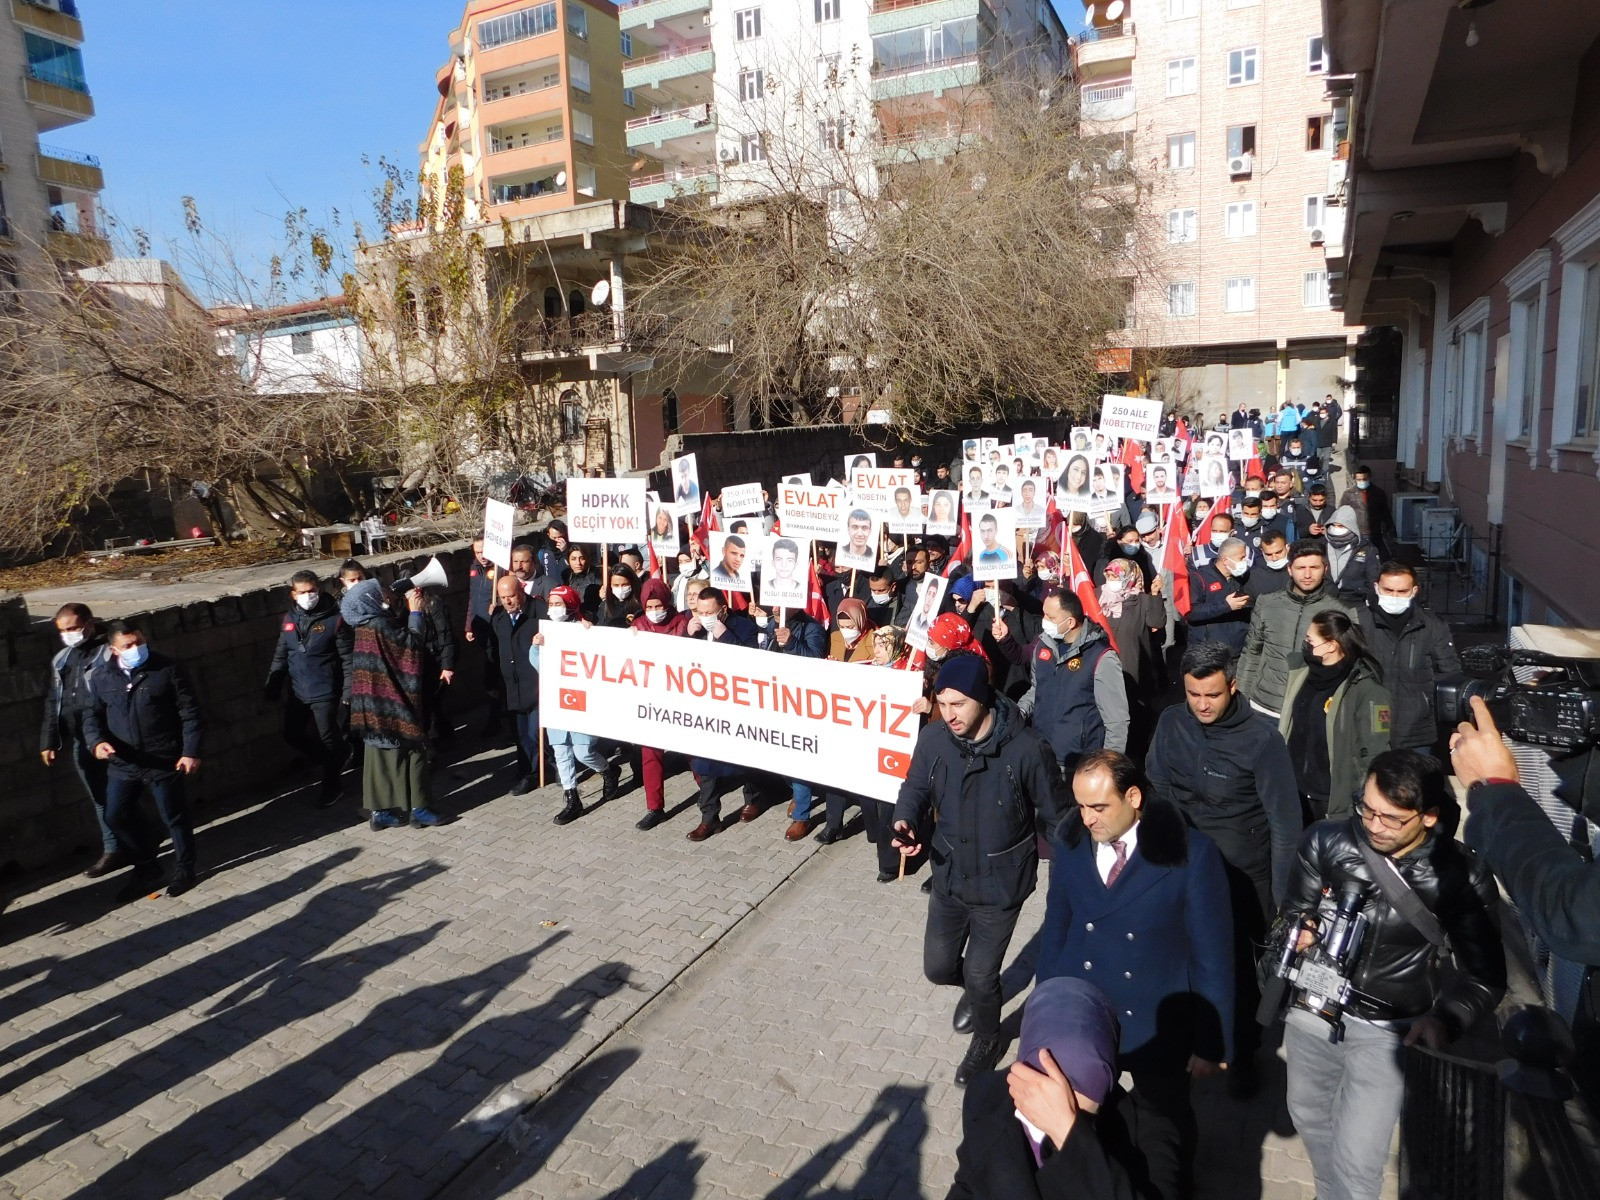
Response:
column 1135, row 620
column 570, row 748
column 657, row 615
column 851, row 641
column 387, row 709
column 619, row 605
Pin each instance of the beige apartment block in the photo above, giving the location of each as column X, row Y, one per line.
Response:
column 1222, row 106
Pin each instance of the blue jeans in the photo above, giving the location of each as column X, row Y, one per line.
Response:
column 571, row 749
column 802, row 800
column 527, row 727
column 93, row 774
column 128, row 822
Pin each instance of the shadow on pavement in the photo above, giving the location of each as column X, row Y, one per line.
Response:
column 895, row 1161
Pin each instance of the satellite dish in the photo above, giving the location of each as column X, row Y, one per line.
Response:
column 600, row 293
column 1088, row 14
column 1115, row 9
column 561, row 179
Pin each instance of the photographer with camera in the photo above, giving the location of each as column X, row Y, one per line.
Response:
column 1419, row 893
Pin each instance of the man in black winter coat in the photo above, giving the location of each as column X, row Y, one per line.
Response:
column 980, row 787
column 1414, row 648
column 313, row 656
column 1219, row 601
column 1227, row 769
column 511, row 631
column 144, row 723
column 84, row 651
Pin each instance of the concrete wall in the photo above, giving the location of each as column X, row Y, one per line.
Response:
column 223, row 628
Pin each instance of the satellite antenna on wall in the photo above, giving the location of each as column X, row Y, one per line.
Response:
column 561, row 179
column 1115, row 9
column 600, row 293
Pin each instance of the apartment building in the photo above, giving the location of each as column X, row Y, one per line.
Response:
column 1222, row 106
column 733, row 97
column 1472, row 227
column 49, row 195
column 530, row 108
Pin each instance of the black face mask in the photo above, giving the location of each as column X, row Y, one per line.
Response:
column 1309, row 655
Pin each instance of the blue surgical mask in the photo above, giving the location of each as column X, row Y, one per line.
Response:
column 133, row 657
column 1130, row 550
column 1363, row 484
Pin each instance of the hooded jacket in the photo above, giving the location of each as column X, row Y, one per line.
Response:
column 1397, row 972
column 1272, row 643
column 1054, row 702
column 1359, row 719
column 1354, row 568
column 1232, row 780
column 1413, row 656
column 990, row 800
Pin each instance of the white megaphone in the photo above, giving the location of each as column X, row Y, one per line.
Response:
column 431, row 575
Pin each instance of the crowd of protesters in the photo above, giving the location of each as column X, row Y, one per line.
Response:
column 1210, row 715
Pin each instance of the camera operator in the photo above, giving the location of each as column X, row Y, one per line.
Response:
column 1419, row 891
column 1551, row 882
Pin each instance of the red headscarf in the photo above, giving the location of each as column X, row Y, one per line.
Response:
column 656, row 589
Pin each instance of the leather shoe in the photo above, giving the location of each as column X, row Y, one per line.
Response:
column 790, row 812
column 144, row 879
column 749, row 812
column 962, row 1021
column 701, row 832
column 106, row 864
column 828, row 835
column 983, row 1055
column 650, row 819
column 796, row 831
column 182, row 881
column 523, row 785
column 887, row 876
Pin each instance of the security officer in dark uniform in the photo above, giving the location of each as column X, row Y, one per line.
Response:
column 991, row 785
column 481, row 576
column 84, row 651
column 313, row 655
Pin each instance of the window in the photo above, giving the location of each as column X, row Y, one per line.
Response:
column 514, row 27
column 1527, row 340
column 838, row 198
column 1181, row 299
column 628, row 97
column 926, row 45
column 585, row 174
column 1472, row 368
column 1316, row 56
column 826, row 10
column 1240, row 220
column 1314, row 290
column 1182, row 77
column 1316, row 211
column 571, row 417
column 1317, row 133
column 1241, row 140
column 1242, row 66
column 746, row 24
column 577, row 21
column 1239, row 294
column 578, row 72
column 751, row 85
column 831, row 134
column 1183, row 225
column 583, row 126
column 752, row 148
column 627, row 44
column 433, row 312
column 828, row 69
column 1179, row 9
column 1180, row 152
column 669, row 410
column 300, row 343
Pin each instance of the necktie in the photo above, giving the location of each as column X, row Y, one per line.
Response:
column 1121, row 851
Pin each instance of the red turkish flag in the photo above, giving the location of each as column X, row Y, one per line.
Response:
column 574, row 700
column 1083, row 587
column 1175, row 557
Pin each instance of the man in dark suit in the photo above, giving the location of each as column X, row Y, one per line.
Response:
column 511, row 631
column 1139, row 907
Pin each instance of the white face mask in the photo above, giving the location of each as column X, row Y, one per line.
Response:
column 1363, row 484
column 1230, row 567
column 622, row 593
column 73, row 637
column 1268, row 513
column 936, row 653
column 655, row 616
column 1053, row 629
column 1218, row 538
column 1046, row 574
column 763, row 622
column 849, row 635
column 1248, row 521
column 306, row 600
column 558, row 612
column 1278, row 565
column 1394, row 605
column 879, row 599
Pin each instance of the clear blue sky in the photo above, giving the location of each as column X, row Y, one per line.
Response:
column 256, row 107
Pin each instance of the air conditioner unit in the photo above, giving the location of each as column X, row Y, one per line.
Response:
column 1318, row 237
column 728, row 154
column 1241, row 164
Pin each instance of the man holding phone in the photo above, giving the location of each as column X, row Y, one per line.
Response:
column 992, row 784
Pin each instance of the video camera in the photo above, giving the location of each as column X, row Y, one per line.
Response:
column 1559, row 709
column 1320, row 974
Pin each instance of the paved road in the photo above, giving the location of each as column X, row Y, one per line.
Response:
column 338, row 1013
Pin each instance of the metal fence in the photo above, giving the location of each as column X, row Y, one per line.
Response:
column 1461, row 575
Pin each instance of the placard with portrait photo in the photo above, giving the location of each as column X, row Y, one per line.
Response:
column 1214, row 477
column 994, row 546
column 663, row 520
column 1241, row 445
column 857, row 546
column 1105, row 487
column 686, row 485
column 927, row 595
column 944, row 513
column 1031, row 505
column 905, row 510
column 730, row 562
column 1072, row 487
column 784, row 578
column 1161, row 483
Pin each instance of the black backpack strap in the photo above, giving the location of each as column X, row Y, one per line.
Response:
column 1399, row 894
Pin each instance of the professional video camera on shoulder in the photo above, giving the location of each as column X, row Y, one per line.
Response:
column 1319, row 972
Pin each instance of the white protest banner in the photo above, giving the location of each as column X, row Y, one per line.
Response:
column 497, row 519
column 811, row 512
column 829, row 723
column 742, row 500
column 874, row 487
column 606, row 510
column 1130, row 417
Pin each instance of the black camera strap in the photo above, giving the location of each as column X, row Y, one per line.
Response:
column 1400, row 896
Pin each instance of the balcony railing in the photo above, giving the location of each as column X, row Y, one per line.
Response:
column 694, row 112
column 71, row 156
column 550, row 135
column 677, row 175
column 1102, row 33
column 60, row 79
column 1111, row 102
column 568, row 335
column 927, row 64
column 682, row 51
column 883, row 6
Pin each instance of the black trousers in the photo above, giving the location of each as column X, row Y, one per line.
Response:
column 714, row 787
column 317, row 732
column 966, row 944
column 1159, row 1116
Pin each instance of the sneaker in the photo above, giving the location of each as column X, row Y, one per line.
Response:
column 144, row 878
column 523, row 785
column 983, row 1055
column 182, row 881
column 384, row 818
column 651, row 819
column 425, row 818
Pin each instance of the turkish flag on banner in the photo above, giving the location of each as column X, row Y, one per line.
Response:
column 1175, row 557
column 1083, row 587
column 574, row 700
